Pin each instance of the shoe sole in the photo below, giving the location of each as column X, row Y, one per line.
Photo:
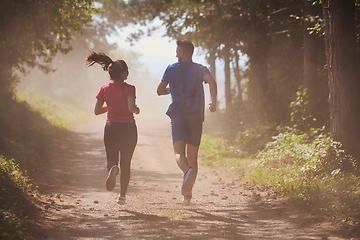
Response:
column 111, row 179
column 121, row 201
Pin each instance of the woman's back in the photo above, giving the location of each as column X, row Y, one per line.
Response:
column 116, row 97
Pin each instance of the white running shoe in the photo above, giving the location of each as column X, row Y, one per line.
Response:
column 186, row 200
column 111, row 179
column 121, row 200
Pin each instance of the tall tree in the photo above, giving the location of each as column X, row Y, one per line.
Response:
column 343, row 80
column 33, row 31
column 316, row 87
column 227, row 60
column 263, row 30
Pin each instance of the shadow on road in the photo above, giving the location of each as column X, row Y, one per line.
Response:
column 75, row 204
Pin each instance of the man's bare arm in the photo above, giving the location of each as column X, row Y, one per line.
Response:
column 163, row 89
column 213, row 91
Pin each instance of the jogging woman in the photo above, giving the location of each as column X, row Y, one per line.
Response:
column 117, row 99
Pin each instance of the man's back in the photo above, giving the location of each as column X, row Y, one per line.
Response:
column 185, row 79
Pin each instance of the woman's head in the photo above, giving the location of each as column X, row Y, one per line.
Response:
column 118, row 70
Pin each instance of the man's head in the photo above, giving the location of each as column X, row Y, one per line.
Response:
column 184, row 50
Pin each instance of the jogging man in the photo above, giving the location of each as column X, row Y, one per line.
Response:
column 184, row 81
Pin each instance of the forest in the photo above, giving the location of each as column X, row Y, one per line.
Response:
column 294, row 99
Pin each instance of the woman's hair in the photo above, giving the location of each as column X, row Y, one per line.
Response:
column 114, row 68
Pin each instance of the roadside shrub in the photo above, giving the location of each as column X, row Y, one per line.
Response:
column 63, row 116
column 25, row 138
column 15, row 206
column 254, row 139
column 308, row 167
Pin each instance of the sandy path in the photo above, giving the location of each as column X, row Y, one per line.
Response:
column 75, row 204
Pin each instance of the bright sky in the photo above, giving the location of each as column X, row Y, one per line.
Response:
column 157, row 51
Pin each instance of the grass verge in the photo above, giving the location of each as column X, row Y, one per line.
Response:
column 27, row 131
column 56, row 113
column 16, row 209
column 306, row 167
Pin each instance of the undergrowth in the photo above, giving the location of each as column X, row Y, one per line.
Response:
column 296, row 166
column 309, row 167
column 58, row 114
column 299, row 162
column 26, row 132
column 15, row 203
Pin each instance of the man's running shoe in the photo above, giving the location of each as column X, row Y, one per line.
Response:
column 186, row 200
column 111, row 179
column 121, row 200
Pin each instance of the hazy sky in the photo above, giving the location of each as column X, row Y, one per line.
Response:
column 157, row 51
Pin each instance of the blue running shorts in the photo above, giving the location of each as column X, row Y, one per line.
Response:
column 188, row 128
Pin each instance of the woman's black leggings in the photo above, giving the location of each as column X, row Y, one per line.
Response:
column 120, row 139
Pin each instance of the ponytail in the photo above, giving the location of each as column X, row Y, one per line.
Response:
column 100, row 58
column 114, row 68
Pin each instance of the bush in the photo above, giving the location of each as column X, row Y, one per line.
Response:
column 308, row 167
column 15, row 205
column 302, row 166
column 25, row 137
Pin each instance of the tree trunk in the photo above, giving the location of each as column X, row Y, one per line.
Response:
column 211, row 61
column 259, row 80
column 237, row 74
column 227, row 76
column 312, row 82
column 344, row 98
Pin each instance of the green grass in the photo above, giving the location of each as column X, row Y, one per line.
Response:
column 217, row 153
column 15, row 204
column 27, row 131
column 306, row 167
column 58, row 114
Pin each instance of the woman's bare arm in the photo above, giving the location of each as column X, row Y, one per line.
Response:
column 132, row 105
column 100, row 108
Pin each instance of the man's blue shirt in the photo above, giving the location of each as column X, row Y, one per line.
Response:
column 185, row 80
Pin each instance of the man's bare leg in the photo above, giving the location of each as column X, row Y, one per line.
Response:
column 191, row 174
column 192, row 155
column 180, row 156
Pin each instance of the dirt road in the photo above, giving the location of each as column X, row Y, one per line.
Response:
column 76, row 205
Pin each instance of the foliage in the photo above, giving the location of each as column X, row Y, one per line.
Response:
column 299, row 117
column 306, row 167
column 261, row 30
column 34, row 31
column 74, row 84
column 24, row 140
column 289, row 147
column 15, row 173
column 24, row 132
column 299, row 162
column 253, row 140
column 15, row 205
column 309, row 168
column 58, row 114
column 218, row 153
